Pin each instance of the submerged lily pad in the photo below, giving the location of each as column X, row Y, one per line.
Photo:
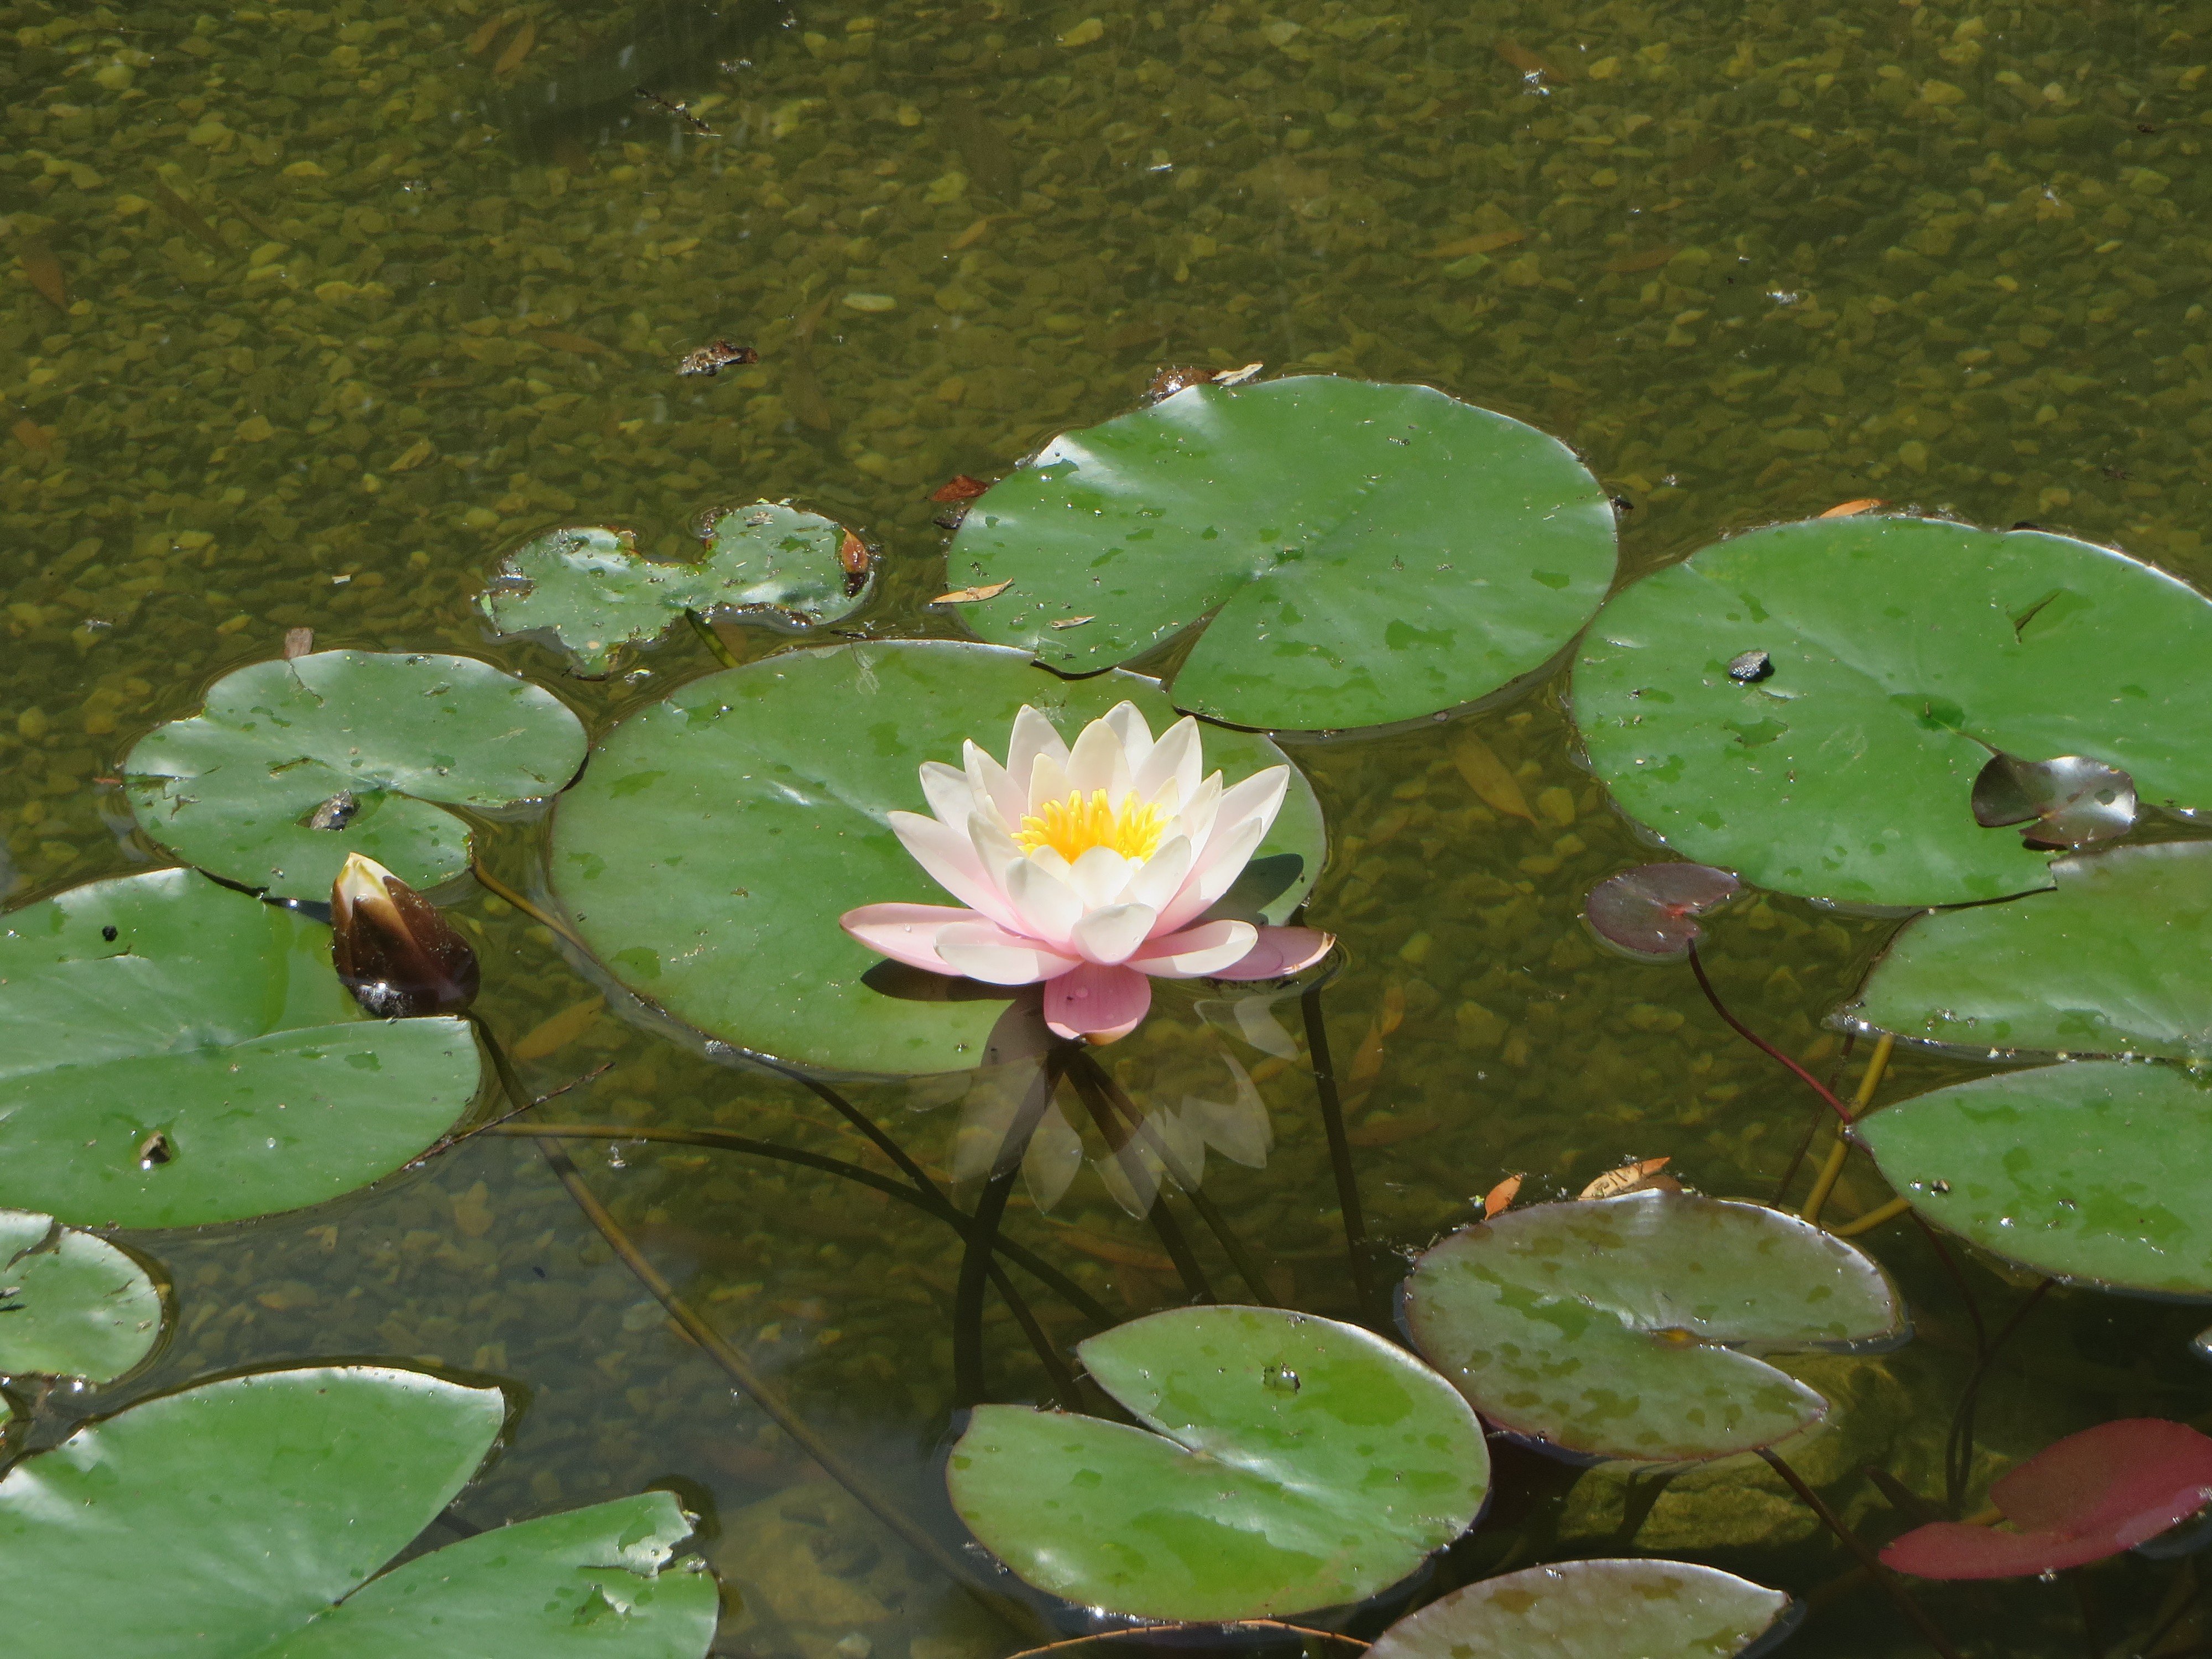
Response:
column 2088, row 1496
column 1297, row 1463
column 1627, row 1326
column 591, row 589
column 1651, row 910
column 2113, row 962
column 173, row 1054
column 1350, row 554
column 2098, row 1171
column 239, row 1519
column 294, row 764
column 719, row 834
column 1602, row 1609
column 70, row 1304
column 1902, row 652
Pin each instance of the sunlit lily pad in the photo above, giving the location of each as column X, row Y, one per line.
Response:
column 590, row 588
column 70, row 1304
column 1627, row 1326
column 1351, row 554
column 2089, row 1496
column 1902, row 652
column 1297, row 1463
column 2066, row 802
column 2098, row 1171
column 237, row 1520
column 1602, row 1609
column 1652, row 910
column 294, row 764
column 2114, row 962
column 173, row 1054
column 718, row 836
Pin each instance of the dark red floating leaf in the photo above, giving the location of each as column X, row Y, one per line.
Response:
column 2087, row 1497
column 1647, row 911
column 2071, row 801
column 958, row 488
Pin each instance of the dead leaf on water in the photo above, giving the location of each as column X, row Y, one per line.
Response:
column 1488, row 242
column 1640, row 1177
column 297, row 642
column 517, row 48
column 557, row 1033
column 1650, row 259
column 45, row 272
column 972, row 595
column 713, row 359
column 1071, row 622
column 958, row 488
column 1852, row 509
column 856, row 561
column 1486, row 775
column 1499, row 1199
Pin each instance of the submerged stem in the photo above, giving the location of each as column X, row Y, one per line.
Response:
column 712, row 640
column 1122, row 1143
column 1340, row 1147
column 1959, row 1447
column 1704, row 984
column 499, row 889
column 1831, row 1171
column 968, row 1387
column 1930, row 1631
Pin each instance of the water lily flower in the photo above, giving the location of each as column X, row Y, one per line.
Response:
column 392, row 949
column 1087, row 868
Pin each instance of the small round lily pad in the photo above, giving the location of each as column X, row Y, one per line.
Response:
column 1628, row 1328
column 1286, row 1462
column 294, row 764
column 1348, row 553
column 2096, row 1172
column 1651, row 911
column 71, row 1304
column 1599, row 1609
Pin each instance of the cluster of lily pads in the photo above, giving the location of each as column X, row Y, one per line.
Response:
column 1861, row 709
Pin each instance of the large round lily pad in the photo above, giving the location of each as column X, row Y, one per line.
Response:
column 1900, row 653
column 231, row 1520
column 173, row 1054
column 1297, row 1463
column 1600, row 1609
column 2114, row 962
column 294, row 764
column 1351, row 554
column 2095, row 1171
column 589, row 587
column 1628, row 1326
column 71, row 1304
column 719, row 834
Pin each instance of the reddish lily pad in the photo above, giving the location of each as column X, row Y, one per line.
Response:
column 2089, row 1496
column 1649, row 911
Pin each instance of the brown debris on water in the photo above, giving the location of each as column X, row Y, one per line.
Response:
column 711, row 360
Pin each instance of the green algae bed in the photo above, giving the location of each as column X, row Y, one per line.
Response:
column 308, row 316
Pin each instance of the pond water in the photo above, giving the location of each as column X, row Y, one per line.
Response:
column 312, row 313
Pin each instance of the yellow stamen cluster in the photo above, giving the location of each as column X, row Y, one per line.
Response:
column 1073, row 827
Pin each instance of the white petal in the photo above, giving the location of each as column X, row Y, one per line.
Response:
column 951, row 861
column 1213, row 872
column 1162, row 876
column 1045, row 907
column 1047, row 781
column 1100, row 875
column 992, row 782
column 1033, row 736
column 1112, row 935
column 948, row 794
column 1258, row 798
column 1194, row 817
column 1098, row 761
column 997, row 957
column 994, row 848
column 1130, row 726
column 1191, row 954
column 1176, row 752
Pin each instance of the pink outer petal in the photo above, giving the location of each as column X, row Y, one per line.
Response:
column 950, row 860
column 1096, row 1002
column 1279, row 953
column 1196, row 953
column 906, row 932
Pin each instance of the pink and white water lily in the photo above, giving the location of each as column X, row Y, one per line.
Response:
column 1087, row 868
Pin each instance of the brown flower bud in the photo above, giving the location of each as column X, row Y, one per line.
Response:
column 392, row 950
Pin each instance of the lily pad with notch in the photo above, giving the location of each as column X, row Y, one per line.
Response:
column 590, row 588
column 719, row 834
column 1632, row 1327
column 1285, row 1463
column 1650, row 912
column 1902, row 652
column 173, row 1054
column 2070, row 802
column 2110, row 961
column 2096, row 1172
column 71, row 1304
column 1344, row 553
column 294, row 764
column 249, row 1518
column 1597, row 1609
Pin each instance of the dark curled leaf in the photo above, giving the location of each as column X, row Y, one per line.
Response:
column 2089, row 1496
column 1648, row 911
column 2071, row 801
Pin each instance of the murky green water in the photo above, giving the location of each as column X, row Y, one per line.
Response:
column 311, row 313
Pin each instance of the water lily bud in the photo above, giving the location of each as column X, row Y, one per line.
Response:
column 392, row 950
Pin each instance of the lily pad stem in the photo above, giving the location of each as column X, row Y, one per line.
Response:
column 1825, row 1183
column 1165, row 1227
column 1825, row 1093
column 1209, row 1212
column 969, row 1387
column 712, row 640
column 1340, row 1147
column 1959, row 1447
column 1873, row 1218
column 499, row 889
column 1930, row 1632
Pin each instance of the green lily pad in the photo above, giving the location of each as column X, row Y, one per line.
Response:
column 1603, row 1609
column 1350, row 553
column 1628, row 1326
column 2111, row 962
column 589, row 587
column 173, row 1054
column 374, row 745
column 71, row 1304
column 2096, row 1172
column 1899, row 653
column 1298, row 1464
column 708, row 851
column 239, row 1519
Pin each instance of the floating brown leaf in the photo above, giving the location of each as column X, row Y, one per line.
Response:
column 856, row 561
column 712, row 360
column 1499, row 1199
column 1071, row 622
column 959, row 487
column 972, row 595
column 1640, row 1177
column 297, row 642
column 1851, row 509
